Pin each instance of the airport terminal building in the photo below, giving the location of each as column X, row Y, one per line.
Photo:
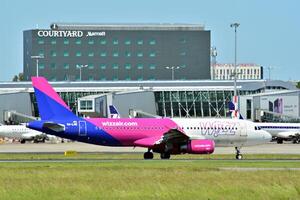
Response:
column 202, row 98
column 117, row 52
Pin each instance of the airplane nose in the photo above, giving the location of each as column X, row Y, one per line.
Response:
column 266, row 136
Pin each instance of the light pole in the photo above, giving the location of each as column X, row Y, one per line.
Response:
column 235, row 26
column 270, row 68
column 37, row 63
column 80, row 67
column 172, row 68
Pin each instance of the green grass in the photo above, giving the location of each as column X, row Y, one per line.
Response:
column 139, row 156
column 152, row 179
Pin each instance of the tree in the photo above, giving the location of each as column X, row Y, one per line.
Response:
column 15, row 78
column 298, row 85
column 19, row 77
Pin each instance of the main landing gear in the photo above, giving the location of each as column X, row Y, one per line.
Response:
column 165, row 155
column 238, row 154
column 148, row 155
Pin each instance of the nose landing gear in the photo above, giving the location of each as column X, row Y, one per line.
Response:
column 238, row 154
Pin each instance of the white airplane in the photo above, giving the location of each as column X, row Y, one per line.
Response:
column 279, row 131
column 114, row 112
column 22, row 133
column 282, row 131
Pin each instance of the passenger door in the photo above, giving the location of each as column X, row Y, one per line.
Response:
column 82, row 128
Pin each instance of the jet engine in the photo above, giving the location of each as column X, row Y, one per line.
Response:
column 199, row 147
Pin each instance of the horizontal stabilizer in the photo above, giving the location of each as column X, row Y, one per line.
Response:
column 54, row 126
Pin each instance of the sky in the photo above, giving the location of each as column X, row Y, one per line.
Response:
column 269, row 32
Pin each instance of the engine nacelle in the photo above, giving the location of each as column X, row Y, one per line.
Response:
column 200, row 146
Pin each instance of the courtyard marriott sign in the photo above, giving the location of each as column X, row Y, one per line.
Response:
column 72, row 34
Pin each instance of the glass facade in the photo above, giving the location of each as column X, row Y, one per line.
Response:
column 193, row 103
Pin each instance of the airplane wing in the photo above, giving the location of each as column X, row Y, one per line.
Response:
column 173, row 136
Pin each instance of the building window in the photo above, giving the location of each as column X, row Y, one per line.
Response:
column 182, row 40
column 152, row 54
column 91, row 78
column 66, row 41
column 139, row 54
column 78, row 41
column 115, row 78
column 103, row 54
column 53, row 41
column 115, row 54
column 66, row 54
column 91, row 54
column 66, row 66
column 127, row 42
column 140, row 66
column 41, row 53
column 152, row 42
column 182, row 53
column 91, row 66
column 115, row 42
column 53, row 53
column 127, row 66
column 103, row 41
column 183, row 66
column 127, row 78
column 91, row 42
column 152, row 78
column 140, row 42
column 140, row 78
column 127, row 54
column 41, row 66
column 78, row 54
column 103, row 79
column 102, row 66
column 41, row 41
column 115, row 66
column 53, row 66
column 86, row 105
column 152, row 66
column 65, row 77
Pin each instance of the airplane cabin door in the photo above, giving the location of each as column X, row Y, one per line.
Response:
column 243, row 130
column 82, row 128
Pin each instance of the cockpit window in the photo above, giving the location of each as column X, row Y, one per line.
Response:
column 257, row 128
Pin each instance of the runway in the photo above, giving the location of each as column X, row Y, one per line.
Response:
column 271, row 148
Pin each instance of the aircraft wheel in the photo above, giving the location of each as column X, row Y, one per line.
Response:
column 148, row 155
column 22, row 141
column 239, row 156
column 165, row 155
column 279, row 141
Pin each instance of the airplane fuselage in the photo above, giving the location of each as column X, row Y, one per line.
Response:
column 18, row 131
column 275, row 128
column 125, row 131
